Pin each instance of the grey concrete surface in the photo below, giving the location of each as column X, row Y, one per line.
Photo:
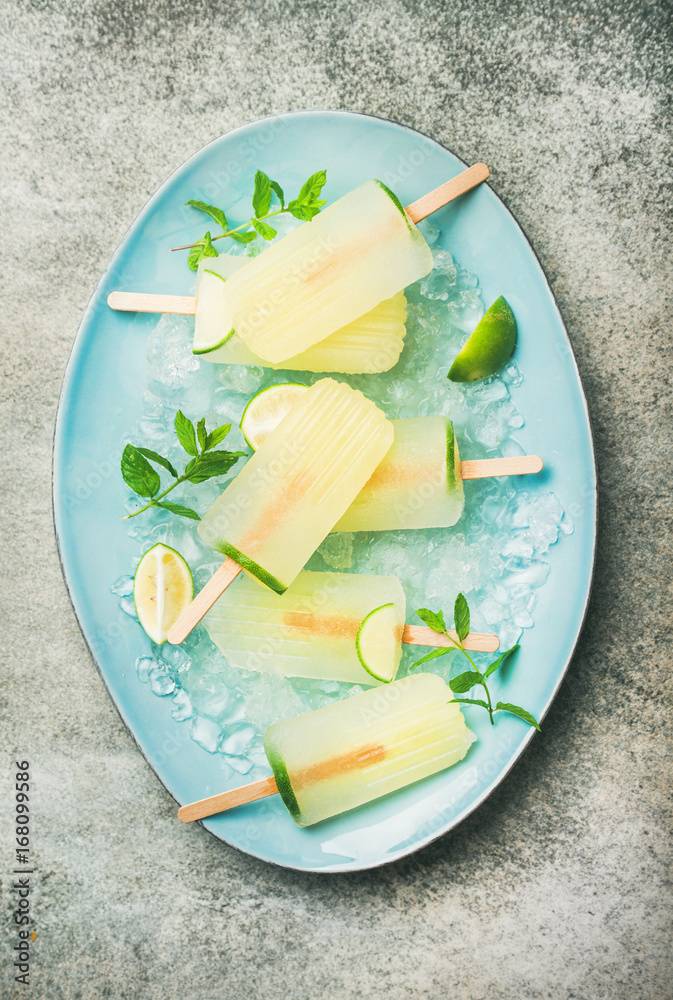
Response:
column 558, row 886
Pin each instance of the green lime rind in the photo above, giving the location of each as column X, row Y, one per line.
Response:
column 416, row 234
column 285, row 789
column 220, row 343
column 358, row 643
column 489, row 347
column 396, row 202
column 269, row 388
column 450, row 455
column 250, row 566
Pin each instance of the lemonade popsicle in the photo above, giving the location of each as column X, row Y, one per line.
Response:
column 417, row 485
column 360, row 250
column 338, row 626
column 370, row 344
column 300, row 481
column 351, row 752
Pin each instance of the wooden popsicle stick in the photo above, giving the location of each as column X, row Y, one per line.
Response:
column 227, row 800
column 485, row 468
column 420, row 635
column 442, row 195
column 185, row 305
column 148, row 302
column 203, row 601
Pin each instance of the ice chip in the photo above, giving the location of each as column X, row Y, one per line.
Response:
column 236, row 740
column 337, row 550
column 176, row 658
column 160, row 681
column 143, row 666
column 182, row 706
column 206, row 732
column 128, row 606
column 123, row 586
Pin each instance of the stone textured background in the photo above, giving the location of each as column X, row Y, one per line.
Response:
column 557, row 887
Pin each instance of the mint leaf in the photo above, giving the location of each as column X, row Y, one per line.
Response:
column 461, row 617
column 177, row 508
column 304, row 212
column 261, row 198
column 504, row 706
column 219, row 434
column 201, row 433
column 243, row 237
column 312, row 188
column 278, row 191
column 264, row 230
column 431, row 656
column 215, row 213
column 463, row 682
column 496, row 663
column 306, row 205
column 160, row 460
column 202, row 248
column 184, row 429
column 213, row 463
column 433, row 619
column 138, row 474
column 469, row 701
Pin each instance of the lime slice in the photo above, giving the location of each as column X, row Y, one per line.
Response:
column 266, row 410
column 211, row 327
column 489, row 346
column 376, row 643
column 162, row 589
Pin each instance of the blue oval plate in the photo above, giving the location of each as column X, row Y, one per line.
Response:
column 102, row 398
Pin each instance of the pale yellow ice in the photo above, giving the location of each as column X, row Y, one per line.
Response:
column 288, row 496
column 341, row 756
column 370, row 344
column 325, row 274
column 310, row 630
column 417, row 485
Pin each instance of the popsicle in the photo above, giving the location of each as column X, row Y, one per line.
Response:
column 371, row 343
column 337, row 626
column 274, row 514
column 419, row 483
column 358, row 252
column 355, row 751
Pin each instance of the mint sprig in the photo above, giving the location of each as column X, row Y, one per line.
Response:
column 203, row 464
column 305, row 206
column 469, row 678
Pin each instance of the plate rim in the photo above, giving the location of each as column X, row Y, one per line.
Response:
column 351, row 865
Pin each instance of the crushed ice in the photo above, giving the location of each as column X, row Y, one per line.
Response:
column 494, row 553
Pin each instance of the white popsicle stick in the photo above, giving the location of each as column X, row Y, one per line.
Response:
column 185, row 305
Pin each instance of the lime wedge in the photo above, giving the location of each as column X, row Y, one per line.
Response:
column 376, row 643
column 266, row 410
column 162, row 589
column 489, row 346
